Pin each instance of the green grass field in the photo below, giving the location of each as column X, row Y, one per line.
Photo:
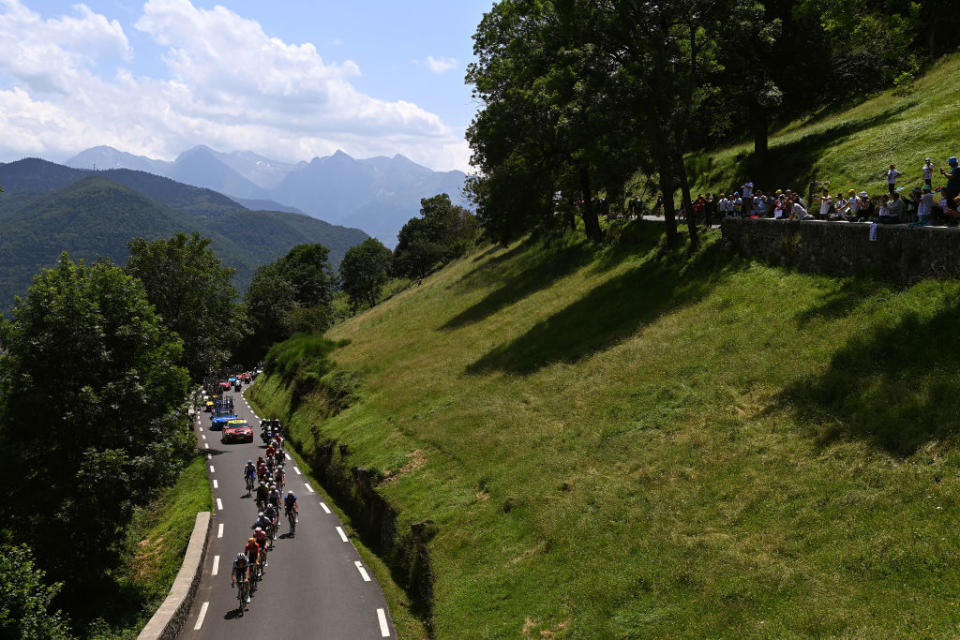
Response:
column 852, row 147
column 633, row 443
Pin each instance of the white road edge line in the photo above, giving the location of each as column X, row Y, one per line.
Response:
column 288, row 455
column 215, row 484
column 204, row 436
column 309, row 488
column 343, row 536
column 359, row 566
column 326, row 509
column 297, row 470
column 220, row 531
column 219, row 505
column 384, row 627
column 203, row 614
column 201, row 428
column 209, row 457
column 216, row 565
column 212, row 470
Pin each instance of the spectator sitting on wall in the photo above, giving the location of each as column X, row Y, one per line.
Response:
column 797, row 210
column 884, row 213
column 896, row 207
column 780, row 207
column 867, row 209
column 839, row 208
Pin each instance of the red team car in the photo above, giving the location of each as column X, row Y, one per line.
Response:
column 237, row 431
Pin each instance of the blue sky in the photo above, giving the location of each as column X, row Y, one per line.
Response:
column 289, row 79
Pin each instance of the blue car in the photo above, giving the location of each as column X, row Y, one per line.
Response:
column 217, row 422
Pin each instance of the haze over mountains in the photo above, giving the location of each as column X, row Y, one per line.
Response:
column 376, row 194
column 47, row 208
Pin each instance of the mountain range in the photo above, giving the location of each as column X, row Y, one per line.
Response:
column 46, row 208
column 376, row 194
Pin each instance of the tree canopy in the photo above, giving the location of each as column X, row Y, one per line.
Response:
column 92, row 413
column 443, row 232
column 364, row 271
column 191, row 290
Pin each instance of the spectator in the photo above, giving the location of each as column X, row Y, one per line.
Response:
column 759, row 205
column 780, row 207
column 798, row 211
column 826, row 204
column 953, row 178
column 711, row 210
column 925, row 207
column 867, row 208
column 891, row 208
column 892, row 175
column 928, row 172
column 911, row 204
column 839, row 208
column 699, row 208
column 853, row 205
column 722, row 205
column 737, row 202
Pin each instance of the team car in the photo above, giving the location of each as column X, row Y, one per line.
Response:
column 237, row 431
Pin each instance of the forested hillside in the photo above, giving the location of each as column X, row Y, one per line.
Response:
column 47, row 208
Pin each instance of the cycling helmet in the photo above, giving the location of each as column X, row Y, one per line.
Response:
column 260, row 514
column 252, row 540
column 240, row 556
column 290, row 493
column 259, row 529
column 249, row 461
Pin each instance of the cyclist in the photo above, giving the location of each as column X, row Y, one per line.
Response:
column 240, row 573
column 253, row 560
column 262, row 521
column 279, row 477
column 273, row 514
column 249, row 473
column 263, row 492
column 271, row 451
column 261, row 471
column 278, row 441
column 261, row 537
column 274, row 496
column 279, row 458
column 292, row 510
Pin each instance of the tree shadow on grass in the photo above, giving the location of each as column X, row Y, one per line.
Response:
column 613, row 311
column 792, row 164
column 522, row 274
column 894, row 387
column 840, row 302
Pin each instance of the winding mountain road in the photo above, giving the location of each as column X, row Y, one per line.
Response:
column 316, row 586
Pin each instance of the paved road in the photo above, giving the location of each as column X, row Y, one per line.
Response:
column 316, row 585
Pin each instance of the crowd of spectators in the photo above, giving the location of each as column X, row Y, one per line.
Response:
column 921, row 205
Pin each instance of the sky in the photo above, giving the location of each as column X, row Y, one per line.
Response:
column 289, row 79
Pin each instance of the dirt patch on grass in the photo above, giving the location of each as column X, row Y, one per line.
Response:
column 418, row 458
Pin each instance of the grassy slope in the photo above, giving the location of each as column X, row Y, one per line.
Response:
column 633, row 445
column 853, row 148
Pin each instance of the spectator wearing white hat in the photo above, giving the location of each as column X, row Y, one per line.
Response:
column 928, row 172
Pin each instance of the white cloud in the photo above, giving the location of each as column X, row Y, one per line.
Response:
column 230, row 85
column 440, row 65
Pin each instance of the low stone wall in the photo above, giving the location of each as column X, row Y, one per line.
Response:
column 169, row 619
column 900, row 253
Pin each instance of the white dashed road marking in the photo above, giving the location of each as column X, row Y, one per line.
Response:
column 309, row 488
column 343, row 536
column 209, row 457
column 203, row 614
column 297, row 470
column 212, row 469
column 326, row 509
column 215, row 484
column 359, row 566
column 204, row 436
column 220, row 531
column 219, row 505
column 288, row 455
column 384, row 627
column 216, row 565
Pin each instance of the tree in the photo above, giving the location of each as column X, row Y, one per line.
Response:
column 364, row 270
column 26, row 599
column 294, row 293
column 191, row 291
column 92, row 412
column 443, row 233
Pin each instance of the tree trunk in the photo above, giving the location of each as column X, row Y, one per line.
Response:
column 760, row 143
column 667, row 188
column 687, row 202
column 591, row 223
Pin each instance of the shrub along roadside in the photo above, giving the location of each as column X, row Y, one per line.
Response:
column 153, row 553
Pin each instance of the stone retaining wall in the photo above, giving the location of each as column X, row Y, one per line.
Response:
column 169, row 619
column 900, row 253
